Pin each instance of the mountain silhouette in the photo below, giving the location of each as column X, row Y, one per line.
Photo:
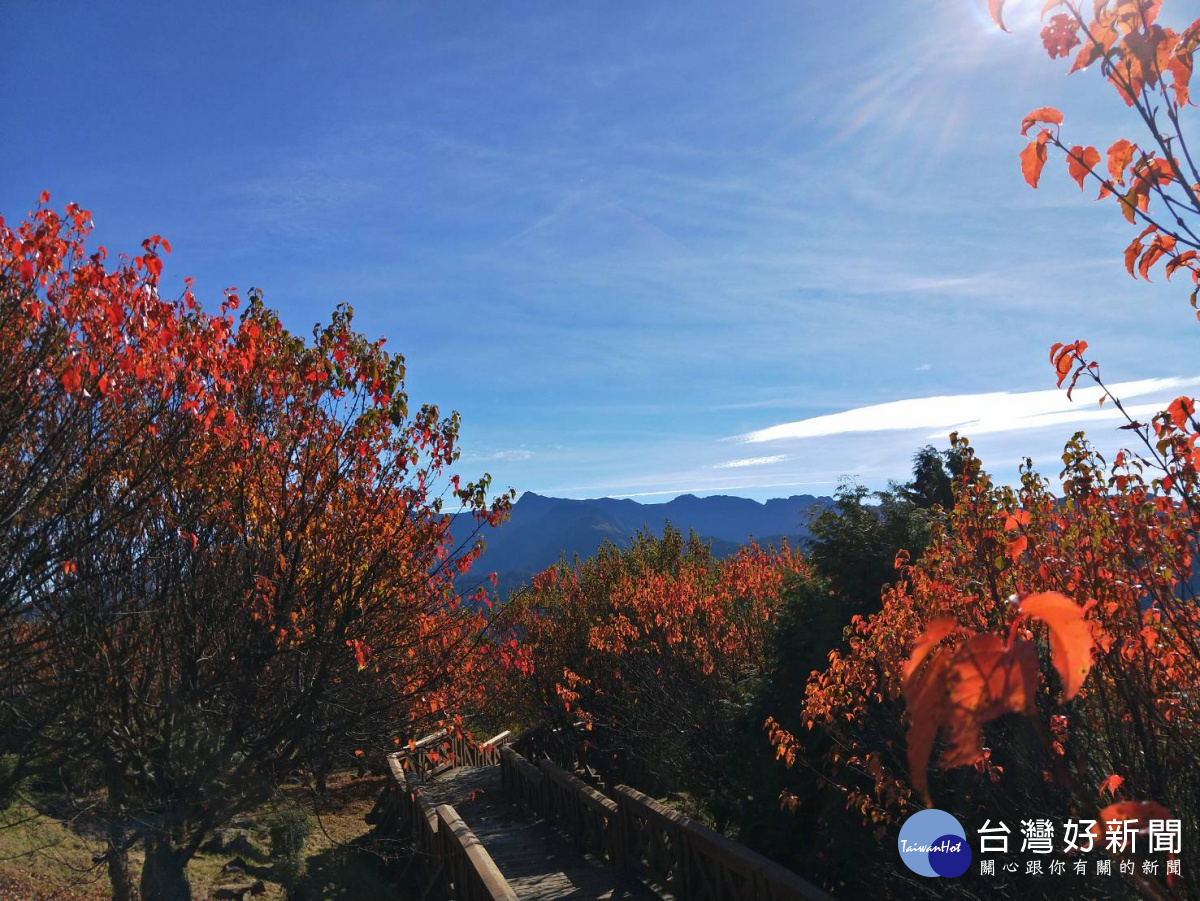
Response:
column 541, row 529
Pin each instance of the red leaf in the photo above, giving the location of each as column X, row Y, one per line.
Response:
column 1111, row 784
column 987, row 680
column 361, row 652
column 1152, row 255
column 1070, row 638
column 1016, row 548
column 1181, row 410
column 934, row 632
column 1060, row 36
column 1015, row 520
column 925, row 697
column 961, row 689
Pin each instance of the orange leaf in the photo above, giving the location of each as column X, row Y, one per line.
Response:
column 1120, row 155
column 1045, row 114
column 1088, row 54
column 961, row 689
column 1070, row 637
column 1080, row 161
column 1111, row 784
column 1152, row 255
column 1182, row 259
column 1180, row 410
column 1016, row 519
column 1033, row 158
column 989, row 678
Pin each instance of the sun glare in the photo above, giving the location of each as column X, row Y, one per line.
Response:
column 1018, row 15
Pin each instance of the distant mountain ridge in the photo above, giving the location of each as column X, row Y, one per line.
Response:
column 543, row 528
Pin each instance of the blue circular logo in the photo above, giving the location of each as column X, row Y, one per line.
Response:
column 934, row 843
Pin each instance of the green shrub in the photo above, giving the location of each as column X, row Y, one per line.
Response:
column 288, row 829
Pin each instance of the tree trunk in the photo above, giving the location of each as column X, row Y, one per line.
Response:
column 164, row 874
column 118, row 866
column 117, row 856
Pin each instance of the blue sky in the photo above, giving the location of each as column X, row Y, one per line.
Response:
column 631, row 243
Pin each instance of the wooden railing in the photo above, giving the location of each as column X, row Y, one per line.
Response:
column 523, row 783
column 458, row 865
column 587, row 816
column 439, row 751
column 694, row 862
column 673, row 854
column 467, row 867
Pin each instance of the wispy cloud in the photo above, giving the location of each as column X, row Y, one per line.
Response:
column 751, row 461
column 710, row 488
column 510, row 455
column 998, row 411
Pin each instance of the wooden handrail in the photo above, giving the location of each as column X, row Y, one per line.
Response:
column 429, row 739
column 669, row 851
column 473, row 874
column 589, row 817
column 692, row 861
column 439, row 751
column 498, row 739
column 457, row 862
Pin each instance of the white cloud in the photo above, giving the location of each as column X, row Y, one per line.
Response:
column 515, row 454
column 977, row 414
column 751, row 461
column 756, row 487
column 510, row 455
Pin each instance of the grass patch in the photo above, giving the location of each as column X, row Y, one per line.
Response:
column 47, row 858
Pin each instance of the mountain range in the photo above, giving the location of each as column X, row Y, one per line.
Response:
column 541, row 529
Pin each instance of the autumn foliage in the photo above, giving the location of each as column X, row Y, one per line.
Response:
column 650, row 650
column 225, row 555
column 1072, row 614
column 1043, row 655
